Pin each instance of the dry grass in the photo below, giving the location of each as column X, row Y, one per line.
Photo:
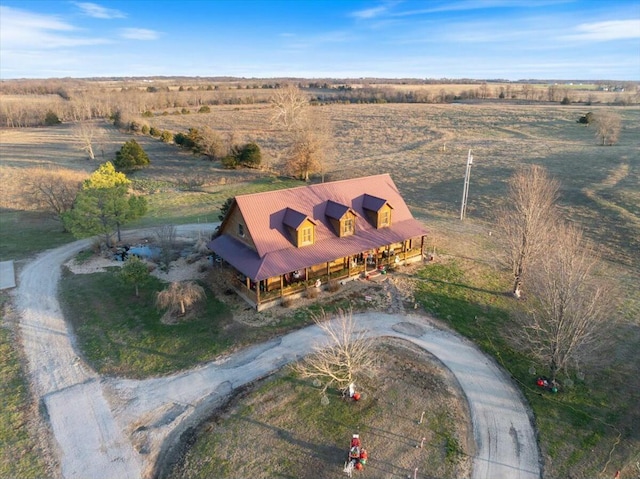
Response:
column 281, row 428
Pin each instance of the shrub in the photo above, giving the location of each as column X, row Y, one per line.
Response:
column 51, row 119
column 333, row 285
column 250, row 155
column 145, row 129
column 204, row 109
column 131, row 156
column 229, row 162
column 153, row 131
column 147, row 114
column 184, row 111
column 166, row 136
column 586, row 119
column 312, row 292
column 565, row 101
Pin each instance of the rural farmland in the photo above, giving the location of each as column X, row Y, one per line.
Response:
column 583, row 431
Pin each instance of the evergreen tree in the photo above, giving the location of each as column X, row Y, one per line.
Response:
column 103, row 205
column 131, row 156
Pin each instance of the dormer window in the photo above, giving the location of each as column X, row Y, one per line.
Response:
column 385, row 218
column 347, row 226
column 300, row 227
column 341, row 217
column 378, row 211
column 306, row 236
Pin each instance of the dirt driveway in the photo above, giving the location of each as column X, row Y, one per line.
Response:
column 114, row 428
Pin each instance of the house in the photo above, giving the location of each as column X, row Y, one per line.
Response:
column 278, row 243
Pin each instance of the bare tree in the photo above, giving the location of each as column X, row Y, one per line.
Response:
column 179, row 296
column 525, row 223
column 288, row 103
column 608, row 127
column 210, row 143
column 571, row 314
column 87, row 133
column 54, row 190
column 344, row 355
column 166, row 235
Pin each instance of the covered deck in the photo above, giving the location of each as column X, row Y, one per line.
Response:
column 265, row 293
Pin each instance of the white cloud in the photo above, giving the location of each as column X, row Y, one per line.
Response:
column 97, row 11
column 604, row 31
column 139, row 34
column 20, row 29
column 369, row 12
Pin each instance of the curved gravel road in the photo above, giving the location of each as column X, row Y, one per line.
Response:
column 108, row 428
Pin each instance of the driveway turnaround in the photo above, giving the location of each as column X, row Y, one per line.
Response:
column 109, row 428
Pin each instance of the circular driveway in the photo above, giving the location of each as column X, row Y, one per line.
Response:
column 117, row 428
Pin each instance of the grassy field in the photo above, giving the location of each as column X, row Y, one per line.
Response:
column 424, row 147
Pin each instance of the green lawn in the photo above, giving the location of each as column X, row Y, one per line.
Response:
column 121, row 334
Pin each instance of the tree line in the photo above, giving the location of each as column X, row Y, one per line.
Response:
column 77, row 100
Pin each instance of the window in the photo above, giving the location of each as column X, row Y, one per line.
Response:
column 348, row 227
column 307, row 235
column 241, row 230
column 385, row 217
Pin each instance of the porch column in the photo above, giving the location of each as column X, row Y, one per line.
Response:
column 258, row 287
column 422, row 246
column 281, row 284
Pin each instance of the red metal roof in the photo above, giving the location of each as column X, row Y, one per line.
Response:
column 264, row 214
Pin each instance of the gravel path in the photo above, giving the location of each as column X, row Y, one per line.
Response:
column 114, row 428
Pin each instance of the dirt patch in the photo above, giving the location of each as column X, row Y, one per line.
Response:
column 280, row 427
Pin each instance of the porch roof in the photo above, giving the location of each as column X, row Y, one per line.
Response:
column 275, row 263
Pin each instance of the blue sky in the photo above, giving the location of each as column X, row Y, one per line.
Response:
column 481, row 39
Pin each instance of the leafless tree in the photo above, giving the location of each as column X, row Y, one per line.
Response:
column 166, row 235
column 344, row 355
column 306, row 154
column 525, row 223
column 288, row 103
column 54, row 190
column 210, row 143
column 87, row 133
column 608, row 127
column 179, row 296
column 572, row 312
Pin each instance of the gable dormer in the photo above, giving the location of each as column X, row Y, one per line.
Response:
column 378, row 211
column 301, row 228
column 342, row 218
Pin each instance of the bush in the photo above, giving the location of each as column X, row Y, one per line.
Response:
column 131, row 156
column 184, row 111
column 147, row 114
column 145, row 129
column 586, row 119
column 250, row 155
column 565, row 101
column 333, row 286
column 51, row 119
column 229, row 162
column 153, row 131
column 204, row 109
column 312, row 292
column 166, row 136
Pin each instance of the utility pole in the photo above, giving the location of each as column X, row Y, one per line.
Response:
column 465, row 192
